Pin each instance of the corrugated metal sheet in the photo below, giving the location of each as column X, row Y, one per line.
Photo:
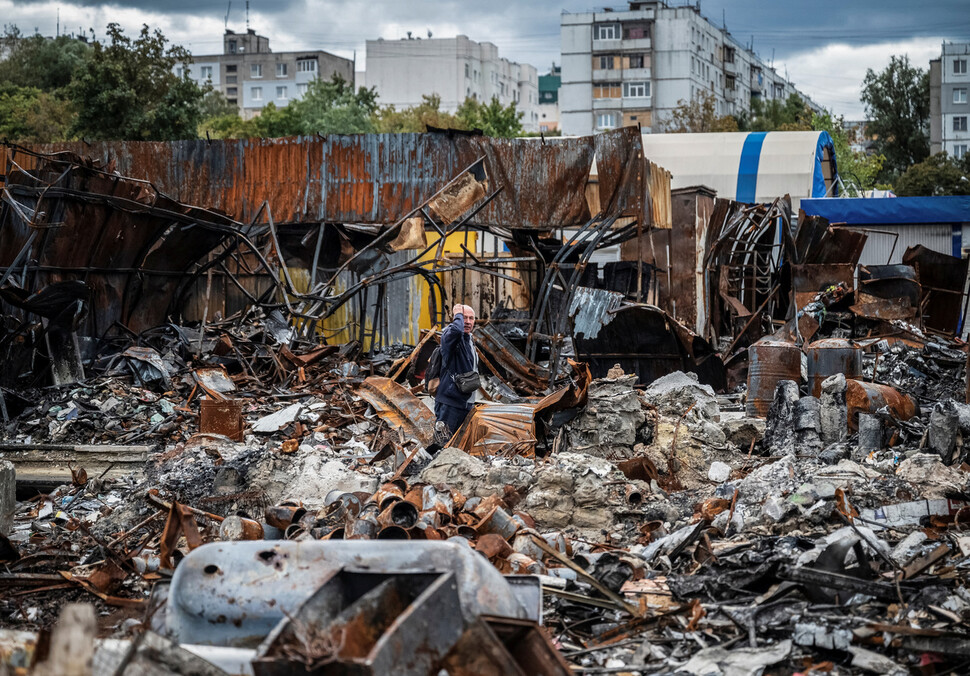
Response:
column 592, row 309
column 371, row 178
column 879, row 246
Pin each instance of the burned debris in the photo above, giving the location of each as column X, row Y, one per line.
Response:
column 219, row 455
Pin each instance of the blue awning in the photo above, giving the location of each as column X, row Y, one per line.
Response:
column 890, row 210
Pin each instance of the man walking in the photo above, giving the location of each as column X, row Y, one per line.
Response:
column 458, row 357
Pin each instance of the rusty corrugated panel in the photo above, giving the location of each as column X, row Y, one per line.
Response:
column 592, row 309
column 808, row 280
column 396, row 405
column 376, row 178
column 621, row 173
column 497, row 428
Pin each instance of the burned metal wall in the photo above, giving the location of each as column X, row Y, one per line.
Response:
column 372, row 178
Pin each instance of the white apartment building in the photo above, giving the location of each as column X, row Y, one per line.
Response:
column 251, row 75
column 633, row 66
column 949, row 100
column 455, row 68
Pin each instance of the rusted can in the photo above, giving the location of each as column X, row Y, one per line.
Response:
column 240, row 528
column 282, row 515
column 400, row 513
column 498, row 521
column 831, row 356
column 393, row 533
column 769, row 362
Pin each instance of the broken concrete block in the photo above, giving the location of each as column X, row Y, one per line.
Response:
column 8, row 495
column 808, row 424
column 943, row 430
column 675, row 393
column 780, row 428
column 834, row 413
column 743, row 431
column 611, row 420
column 871, row 434
column 719, row 472
column 933, row 478
column 457, row 469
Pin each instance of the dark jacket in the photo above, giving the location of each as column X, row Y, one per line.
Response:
column 456, row 357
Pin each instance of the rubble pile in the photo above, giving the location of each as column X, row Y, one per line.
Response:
column 206, row 491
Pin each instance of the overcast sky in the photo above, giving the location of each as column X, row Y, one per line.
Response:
column 825, row 45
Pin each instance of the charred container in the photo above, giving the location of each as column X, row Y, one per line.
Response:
column 831, row 356
column 769, row 362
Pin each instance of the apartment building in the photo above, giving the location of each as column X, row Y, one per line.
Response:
column 455, row 68
column 251, row 75
column 633, row 66
column 549, row 85
column 949, row 106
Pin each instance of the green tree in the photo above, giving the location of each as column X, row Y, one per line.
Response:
column 333, row 107
column 897, row 102
column 792, row 114
column 29, row 115
column 855, row 168
column 697, row 116
column 939, row 174
column 129, row 89
column 492, row 118
column 428, row 113
column 215, row 104
column 48, row 64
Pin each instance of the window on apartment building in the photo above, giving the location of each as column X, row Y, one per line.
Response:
column 636, row 90
column 281, row 70
column 959, row 66
column 231, row 91
column 231, row 68
column 281, row 93
column 635, row 61
column 230, row 79
column 606, row 31
column 301, row 88
column 233, row 101
column 256, row 93
column 604, row 62
column 960, row 95
column 960, row 123
column 959, row 151
column 636, row 31
column 232, row 46
column 205, row 72
column 468, row 70
column 606, row 90
column 179, row 72
column 606, row 120
column 729, row 55
column 307, row 65
column 729, row 82
column 256, row 71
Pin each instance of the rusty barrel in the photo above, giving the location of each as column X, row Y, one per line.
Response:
column 770, row 361
column 862, row 397
column 828, row 357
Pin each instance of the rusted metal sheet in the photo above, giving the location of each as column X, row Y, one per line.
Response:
column 769, row 362
column 395, row 404
column 76, row 222
column 371, row 178
column 503, row 354
column 941, row 279
column 809, row 279
column 887, row 292
column 499, row 429
column 830, row 356
column 621, row 173
column 222, row 416
column 863, row 397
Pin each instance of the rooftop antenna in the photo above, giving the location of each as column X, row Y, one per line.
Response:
column 58, row 22
column 228, row 8
column 429, row 33
column 772, row 57
column 247, row 16
column 723, row 18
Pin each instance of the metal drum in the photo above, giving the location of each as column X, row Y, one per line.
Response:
column 770, row 361
column 828, row 357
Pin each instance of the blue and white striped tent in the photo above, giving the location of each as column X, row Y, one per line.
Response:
column 749, row 166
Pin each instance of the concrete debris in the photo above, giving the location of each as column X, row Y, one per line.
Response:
column 678, row 393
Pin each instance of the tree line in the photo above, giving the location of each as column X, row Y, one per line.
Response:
column 138, row 88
